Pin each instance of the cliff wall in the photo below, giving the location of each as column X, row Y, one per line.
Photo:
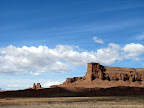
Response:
column 103, row 76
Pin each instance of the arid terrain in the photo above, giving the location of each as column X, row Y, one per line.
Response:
column 123, row 88
column 74, row 102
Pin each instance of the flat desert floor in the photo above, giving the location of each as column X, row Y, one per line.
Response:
column 74, row 102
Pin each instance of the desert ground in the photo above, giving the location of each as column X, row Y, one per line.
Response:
column 74, row 102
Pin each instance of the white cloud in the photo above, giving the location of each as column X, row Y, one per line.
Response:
column 48, row 84
column 25, row 59
column 133, row 50
column 35, row 60
column 97, row 40
column 35, row 73
column 109, row 55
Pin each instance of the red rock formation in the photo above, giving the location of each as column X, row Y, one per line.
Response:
column 34, row 86
column 94, row 71
column 71, row 80
column 38, row 86
column 104, row 76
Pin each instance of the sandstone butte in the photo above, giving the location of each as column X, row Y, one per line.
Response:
column 38, row 86
column 98, row 81
column 99, row 76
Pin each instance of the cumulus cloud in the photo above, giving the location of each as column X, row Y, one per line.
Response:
column 109, row 55
column 97, row 40
column 35, row 60
column 133, row 50
column 22, row 60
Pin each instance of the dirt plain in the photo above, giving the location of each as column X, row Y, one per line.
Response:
column 90, row 91
column 74, row 102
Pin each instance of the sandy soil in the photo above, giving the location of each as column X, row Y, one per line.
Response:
column 74, row 102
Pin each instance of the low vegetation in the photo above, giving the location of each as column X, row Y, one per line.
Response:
column 77, row 102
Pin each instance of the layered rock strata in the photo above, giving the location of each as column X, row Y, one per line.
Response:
column 103, row 76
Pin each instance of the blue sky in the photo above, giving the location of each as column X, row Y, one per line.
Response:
column 47, row 41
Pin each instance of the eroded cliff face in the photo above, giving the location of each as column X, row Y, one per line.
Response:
column 104, row 76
